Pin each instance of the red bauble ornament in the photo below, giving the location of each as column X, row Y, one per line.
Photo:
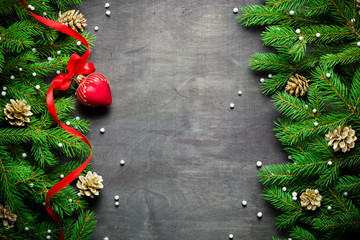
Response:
column 94, row 91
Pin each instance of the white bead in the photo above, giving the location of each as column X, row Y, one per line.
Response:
column 289, row 238
column 232, row 105
column 37, row 87
column 317, row 34
column 77, row 118
column 301, row 38
column 270, row 75
column 26, row 229
column 107, row 5
column 4, row 88
column 353, row 20
column 62, row 176
column 294, row 198
column 314, row 110
column 258, row 163
column 49, row 231
column 29, row 6
column 328, row 75
column 34, row 74
column 58, row 72
column 32, row 8
column 329, row 208
column 289, row 157
column 108, row 13
column 117, row 204
column 0, row 38
column 358, row 44
column 20, row 69
column 34, row 49
column 235, row 10
column 60, row 145
column 44, row 204
column 345, row 194
column 292, row 12
column 70, row 200
column 306, row 106
column 44, row 13
column 294, row 194
column 3, row 93
column 262, row 80
column 259, row 214
column 231, row 236
column 116, row 197
column 122, row 162
column 12, row 77
column 102, row 130
column 78, row 43
column 31, row 185
column 106, row 238
column 48, row 237
column 284, row 189
column 68, row 123
column 244, row 203
column 316, row 124
column 96, row 28
column 316, row 191
column 24, row 155
column 79, row 194
column 239, row 93
column 297, row 31
column 49, row 58
column 329, row 163
column 58, row 52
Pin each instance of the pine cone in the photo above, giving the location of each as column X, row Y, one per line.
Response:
column 90, row 185
column 7, row 217
column 297, row 85
column 17, row 113
column 310, row 199
column 73, row 19
column 342, row 137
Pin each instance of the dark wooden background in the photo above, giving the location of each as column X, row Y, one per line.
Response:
column 174, row 67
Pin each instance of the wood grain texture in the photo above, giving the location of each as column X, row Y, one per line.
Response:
column 174, row 67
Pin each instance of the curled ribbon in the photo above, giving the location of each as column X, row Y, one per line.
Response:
column 76, row 65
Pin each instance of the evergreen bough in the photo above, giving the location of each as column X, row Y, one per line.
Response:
column 327, row 52
column 28, row 47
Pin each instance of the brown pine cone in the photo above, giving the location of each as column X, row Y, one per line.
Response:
column 73, row 19
column 342, row 137
column 297, row 85
column 17, row 112
column 7, row 218
column 311, row 199
column 90, row 185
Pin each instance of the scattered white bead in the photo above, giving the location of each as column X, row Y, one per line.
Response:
column 289, row 157
column 329, row 208
column 122, row 162
column 58, row 72
column 231, row 236
column 34, row 74
column 239, row 93
column 62, row 176
column 77, row 118
column 294, row 194
column 232, row 105
column 31, row 185
column 358, row 44
column 12, row 77
column 328, row 75
column 316, row 191
column 329, row 163
column 259, row 214
column 297, row 31
column 58, row 52
column 345, row 194
column 292, row 12
column 353, row 20
column 270, row 75
column 96, row 28
column 60, row 144
column 284, row 189
column 107, row 5
column 48, row 237
column 44, row 204
column 26, row 229
column 244, row 203
column 306, row 106
column 262, row 80
column 102, row 130
column 301, row 38
column 34, row 49
column 29, row 6
column 117, row 204
column 314, row 110
column 68, row 123
column 79, row 194
column 0, row 38
column 106, row 238
column 317, row 34
column 316, row 124
column 108, row 13
column 20, row 69
column 24, row 155
column 49, row 231
column 289, row 238
column 4, row 88
column 78, row 43
column 44, row 13
column 258, row 164
column 294, row 198
column 37, row 87
column 235, row 10
column 117, row 197
column 70, row 200
column 3, row 93
column 32, row 8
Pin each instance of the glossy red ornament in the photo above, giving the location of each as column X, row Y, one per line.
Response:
column 94, row 91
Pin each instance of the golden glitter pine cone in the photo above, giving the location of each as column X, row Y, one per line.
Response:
column 311, row 199
column 90, row 185
column 73, row 19
column 297, row 85
column 17, row 112
column 7, row 218
column 343, row 137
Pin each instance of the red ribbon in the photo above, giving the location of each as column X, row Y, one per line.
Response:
column 76, row 65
